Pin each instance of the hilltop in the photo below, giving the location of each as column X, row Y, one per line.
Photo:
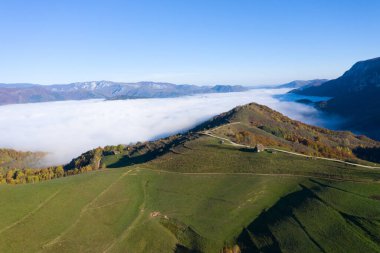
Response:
column 250, row 125
column 355, row 96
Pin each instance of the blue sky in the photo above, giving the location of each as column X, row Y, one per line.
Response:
column 184, row 41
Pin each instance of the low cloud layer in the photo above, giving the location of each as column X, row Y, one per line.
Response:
column 67, row 129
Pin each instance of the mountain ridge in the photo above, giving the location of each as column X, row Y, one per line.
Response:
column 355, row 96
column 302, row 84
column 361, row 76
column 33, row 93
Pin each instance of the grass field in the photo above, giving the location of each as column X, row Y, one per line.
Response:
column 207, row 154
column 202, row 196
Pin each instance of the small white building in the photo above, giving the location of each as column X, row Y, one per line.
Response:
column 259, row 147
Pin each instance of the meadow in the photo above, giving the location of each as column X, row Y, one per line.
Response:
column 203, row 197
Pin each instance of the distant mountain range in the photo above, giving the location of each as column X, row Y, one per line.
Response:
column 302, row 84
column 355, row 96
column 292, row 85
column 19, row 93
column 33, row 93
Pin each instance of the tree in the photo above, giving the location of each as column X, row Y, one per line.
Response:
column 2, row 179
column 9, row 177
column 59, row 171
column 19, row 177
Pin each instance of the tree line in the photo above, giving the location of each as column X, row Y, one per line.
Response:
column 23, row 176
column 86, row 162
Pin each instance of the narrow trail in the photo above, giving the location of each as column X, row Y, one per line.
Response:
column 228, row 124
column 109, row 204
column 225, row 139
column 41, row 205
column 208, row 133
column 324, row 158
column 83, row 211
column 135, row 221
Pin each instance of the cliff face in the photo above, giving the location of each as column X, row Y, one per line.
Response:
column 355, row 96
column 363, row 76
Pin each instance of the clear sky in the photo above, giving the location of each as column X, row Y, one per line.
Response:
column 184, row 41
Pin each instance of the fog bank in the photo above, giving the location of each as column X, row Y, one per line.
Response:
column 67, row 129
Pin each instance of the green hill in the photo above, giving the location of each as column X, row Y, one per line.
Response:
column 250, row 125
column 196, row 193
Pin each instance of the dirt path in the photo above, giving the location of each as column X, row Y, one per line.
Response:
column 289, row 152
column 225, row 139
column 228, row 124
column 324, row 158
column 83, row 211
column 42, row 204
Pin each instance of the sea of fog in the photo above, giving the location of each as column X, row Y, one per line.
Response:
column 67, row 129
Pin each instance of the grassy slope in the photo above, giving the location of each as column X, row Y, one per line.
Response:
column 250, row 125
column 206, row 154
column 119, row 218
column 266, row 126
column 288, row 203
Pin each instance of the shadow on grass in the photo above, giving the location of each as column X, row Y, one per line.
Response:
column 127, row 161
column 369, row 154
column 182, row 249
column 189, row 240
column 248, row 150
column 150, row 154
column 258, row 237
column 221, row 147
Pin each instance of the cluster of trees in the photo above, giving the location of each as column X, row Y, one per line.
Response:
column 276, row 131
column 22, row 176
column 86, row 162
column 320, row 148
column 10, row 158
column 312, row 143
column 243, row 137
column 91, row 160
column 315, row 143
column 7, row 155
